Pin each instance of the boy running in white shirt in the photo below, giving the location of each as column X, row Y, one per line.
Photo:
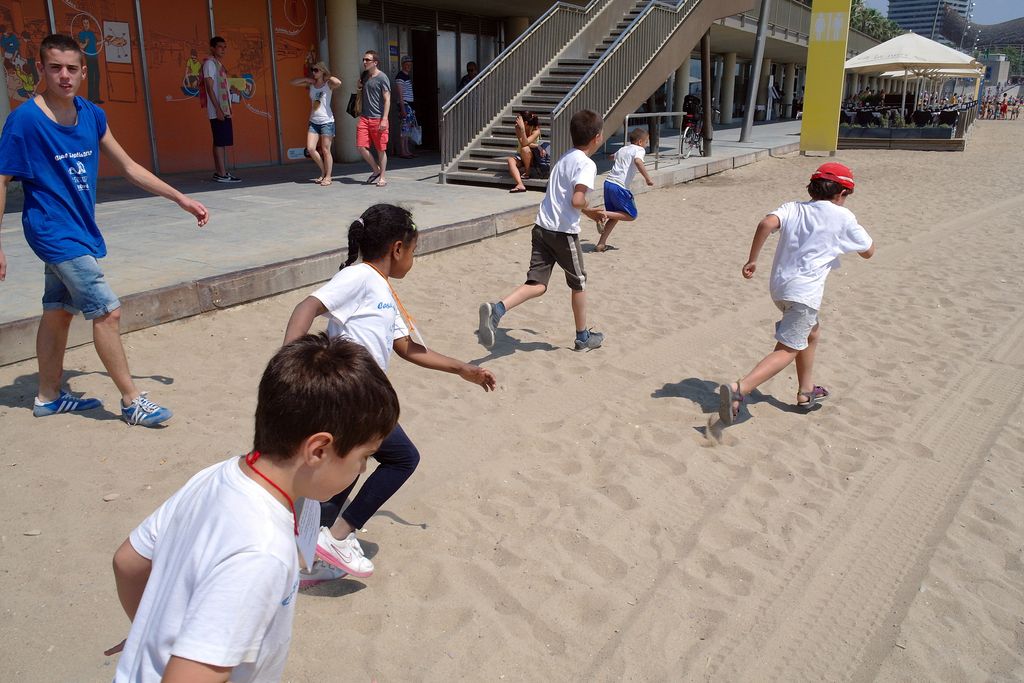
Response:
column 618, row 200
column 209, row 579
column 812, row 237
column 556, row 235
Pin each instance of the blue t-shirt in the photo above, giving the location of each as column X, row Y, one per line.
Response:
column 57, row 166
column 89, row 38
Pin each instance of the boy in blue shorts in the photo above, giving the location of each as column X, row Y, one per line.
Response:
column 51, row 144
column 209, row 579
column 618, row 200
column 556, row 235
column 812, row 237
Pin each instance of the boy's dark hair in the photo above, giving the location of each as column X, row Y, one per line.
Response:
column 372, row 234
column 584, row 126
column 217, row 40
column 318, row 384
column 59, row 41
column 638, row 134
column 825, row 189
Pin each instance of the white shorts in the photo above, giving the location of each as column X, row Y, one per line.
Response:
column 797, row 322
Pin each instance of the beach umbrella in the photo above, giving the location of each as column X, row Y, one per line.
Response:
column 910, row 55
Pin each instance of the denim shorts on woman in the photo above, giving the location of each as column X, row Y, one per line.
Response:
column 795, row 327
column 78, row 286
column 322, row 128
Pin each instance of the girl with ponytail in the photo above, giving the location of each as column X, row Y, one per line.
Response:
column 360, row 305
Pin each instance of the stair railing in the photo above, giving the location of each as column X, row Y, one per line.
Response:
column 600, row 88
column 474, row 107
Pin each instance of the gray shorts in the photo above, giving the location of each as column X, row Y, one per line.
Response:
column 550, row 247
column 78, row 285
column 797, row 322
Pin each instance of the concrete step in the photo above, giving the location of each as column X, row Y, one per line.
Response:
column 542, row 100
column 573, row 62
column 558, row 89
column 509, row 141
column 494, row 165
column 487, row 178
column 565, row 81
column 510, row 120
column 491, row 152
column 536, row 109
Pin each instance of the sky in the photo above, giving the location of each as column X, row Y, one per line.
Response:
column 985, row 11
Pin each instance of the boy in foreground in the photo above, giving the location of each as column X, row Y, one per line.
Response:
column 52, row 144
column 619, row 204
column 812, row 237
column 209, row 579
column 555, row 238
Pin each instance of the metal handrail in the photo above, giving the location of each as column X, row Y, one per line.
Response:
column 486, row 96
column 613, row 73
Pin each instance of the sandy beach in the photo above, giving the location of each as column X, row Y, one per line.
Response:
column 589, row 521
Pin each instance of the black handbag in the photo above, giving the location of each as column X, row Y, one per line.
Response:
column 355, row 105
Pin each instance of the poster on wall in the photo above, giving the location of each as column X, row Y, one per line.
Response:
column 117, row 42
column 23, row 25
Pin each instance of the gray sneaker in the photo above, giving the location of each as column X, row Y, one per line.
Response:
column 594, row 341
column 488, row 328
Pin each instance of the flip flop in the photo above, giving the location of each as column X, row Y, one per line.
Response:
column 726, row 398
column 373, row 178
column 515, row 190
column 814, row 397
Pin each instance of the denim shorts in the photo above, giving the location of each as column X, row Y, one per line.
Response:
column 77, row 286
column 795, row 327
column 322, row 128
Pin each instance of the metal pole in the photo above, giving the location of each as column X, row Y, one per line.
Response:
column 705, row 85
column 49, row 13
column 277, row 92
column 755, row 71
column 145, row 86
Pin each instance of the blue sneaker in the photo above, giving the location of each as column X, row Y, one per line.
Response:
column 144, row 412
column 65, row 403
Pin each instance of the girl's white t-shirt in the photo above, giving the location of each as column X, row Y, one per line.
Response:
column 323, row 113
column 624, row 170
column 812, row 237
column 223, row 582
column 361, row 308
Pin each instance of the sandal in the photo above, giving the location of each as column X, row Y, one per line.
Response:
column 726, row 413
column 373, row 178
column 814, row 397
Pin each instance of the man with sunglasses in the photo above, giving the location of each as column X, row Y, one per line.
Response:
column 372, row 128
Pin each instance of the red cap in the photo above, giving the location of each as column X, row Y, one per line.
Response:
column 836, row 173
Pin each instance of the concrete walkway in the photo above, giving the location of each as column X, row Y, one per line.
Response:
column 277, row 231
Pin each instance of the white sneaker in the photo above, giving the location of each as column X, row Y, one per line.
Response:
column 320, row 573
column 345, row 554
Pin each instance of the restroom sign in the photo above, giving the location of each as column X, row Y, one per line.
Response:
column 830, row 26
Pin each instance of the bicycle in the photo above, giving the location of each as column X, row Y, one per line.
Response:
column 693, row 135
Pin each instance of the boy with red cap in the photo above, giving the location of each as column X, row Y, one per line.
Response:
column 812, row 237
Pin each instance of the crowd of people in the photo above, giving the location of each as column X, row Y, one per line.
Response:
column 1003, row 108
column 208, row 580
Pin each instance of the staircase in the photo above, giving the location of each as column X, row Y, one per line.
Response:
column 608, row 57
column 485, row 160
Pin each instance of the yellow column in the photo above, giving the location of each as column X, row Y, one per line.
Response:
column 342, row 39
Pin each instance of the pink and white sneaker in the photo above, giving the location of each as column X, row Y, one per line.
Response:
column 346, row 554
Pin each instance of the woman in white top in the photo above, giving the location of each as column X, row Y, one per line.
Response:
column 321, row 119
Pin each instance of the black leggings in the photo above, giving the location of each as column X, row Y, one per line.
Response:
column 397, row 458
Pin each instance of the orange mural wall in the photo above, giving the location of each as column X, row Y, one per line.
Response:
column 295, row 40
column 107, row 31
column 246, row 28
column 23, row 25
column 177, row 39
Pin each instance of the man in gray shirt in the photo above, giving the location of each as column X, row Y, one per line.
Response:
column 372, row 128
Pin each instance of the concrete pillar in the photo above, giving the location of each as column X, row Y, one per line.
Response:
column 855, row 87
column 727, row 103
column 716, row 88
column 680, row 88
column 345, row 53
column 514, row 26
column 762, row 89
column 788, row 87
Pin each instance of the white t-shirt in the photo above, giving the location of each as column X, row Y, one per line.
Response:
column 223, row 584
column 361, row 308
column 210, row 70
column 323, row 113
column 624, row 170
column 556, row 210
column 812, row 238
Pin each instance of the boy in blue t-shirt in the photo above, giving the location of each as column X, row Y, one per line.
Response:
column 51, row 144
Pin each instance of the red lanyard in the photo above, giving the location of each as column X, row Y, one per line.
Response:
column 405, row 314
column 250, row 460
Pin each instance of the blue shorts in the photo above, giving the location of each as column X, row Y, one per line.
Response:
column 617, row 198
column 77, row 286
column 223, row 133
column 322, row 128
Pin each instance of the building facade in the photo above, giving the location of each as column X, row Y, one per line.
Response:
column 924, row 17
